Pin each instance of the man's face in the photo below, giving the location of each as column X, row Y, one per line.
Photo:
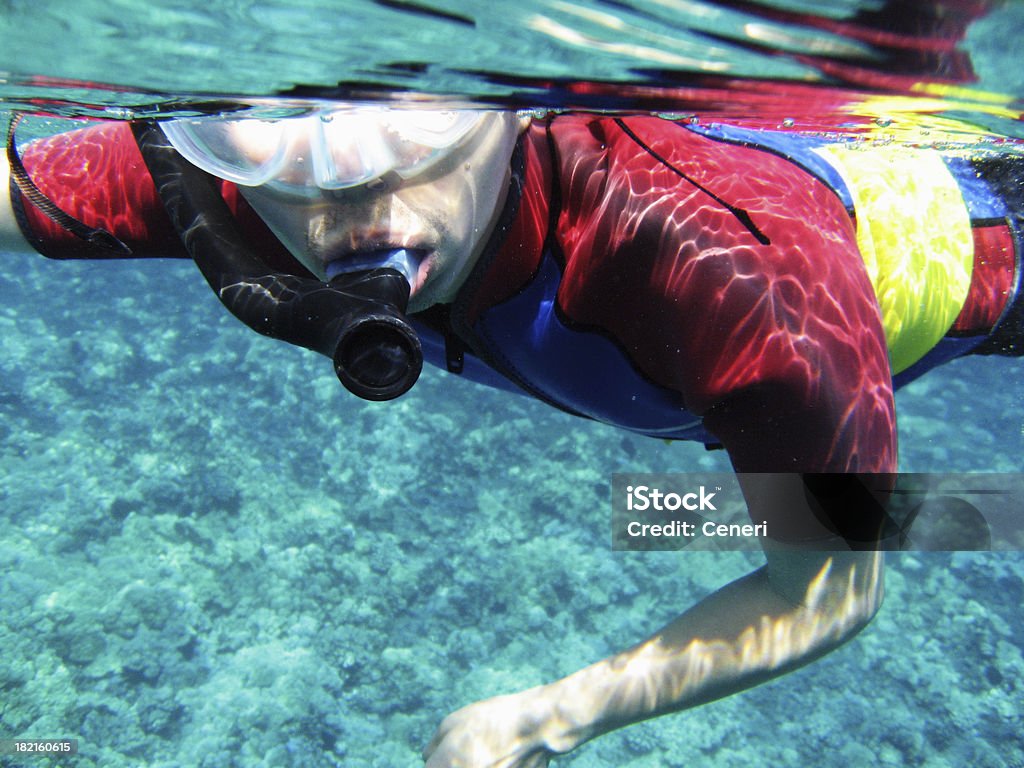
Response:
column 443, row 215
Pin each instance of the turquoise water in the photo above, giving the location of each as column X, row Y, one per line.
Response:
column 260, row 48
column 210, row 554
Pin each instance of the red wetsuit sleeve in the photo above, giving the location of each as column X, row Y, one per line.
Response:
column 97, row 175
column 779, row 347
column 991, row 280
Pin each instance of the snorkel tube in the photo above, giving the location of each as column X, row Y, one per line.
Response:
column 357, row 318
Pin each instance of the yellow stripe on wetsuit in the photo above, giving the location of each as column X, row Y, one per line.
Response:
column 914, row 234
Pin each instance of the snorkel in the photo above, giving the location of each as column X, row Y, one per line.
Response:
column 356, row 317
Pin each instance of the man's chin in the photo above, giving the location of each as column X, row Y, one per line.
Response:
column 421, row 294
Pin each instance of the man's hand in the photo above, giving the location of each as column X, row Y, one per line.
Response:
column 503, row 732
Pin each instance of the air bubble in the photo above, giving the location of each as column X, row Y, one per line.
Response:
column 119, row 113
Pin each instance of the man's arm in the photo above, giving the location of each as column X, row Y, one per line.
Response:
column 797, row 608
column 96, row 174
column 742, row 635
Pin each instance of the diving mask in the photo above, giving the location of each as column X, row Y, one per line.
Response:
column 328, row 149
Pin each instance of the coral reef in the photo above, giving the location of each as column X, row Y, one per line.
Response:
column 213, row 556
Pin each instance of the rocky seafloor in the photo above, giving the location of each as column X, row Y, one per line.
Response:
column 212, row 555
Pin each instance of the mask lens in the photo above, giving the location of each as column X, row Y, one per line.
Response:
column 435, row 129
column 249, row 152
column 329, row 149
column 351, row 149
column 420, row 138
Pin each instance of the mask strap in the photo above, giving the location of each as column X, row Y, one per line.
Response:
column 35, row 195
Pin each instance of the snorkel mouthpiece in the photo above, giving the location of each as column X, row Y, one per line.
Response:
column 401, row 259
column 357, row 318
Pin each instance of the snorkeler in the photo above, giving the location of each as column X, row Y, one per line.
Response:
column 758, row 291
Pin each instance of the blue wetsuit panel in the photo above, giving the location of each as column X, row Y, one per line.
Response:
column 982, row 201
column 580, row 370
column 473, row 367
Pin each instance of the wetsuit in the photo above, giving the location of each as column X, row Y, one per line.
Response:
column 752, row 289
